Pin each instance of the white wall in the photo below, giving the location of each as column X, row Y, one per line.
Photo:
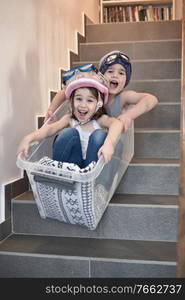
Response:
column 36, row 36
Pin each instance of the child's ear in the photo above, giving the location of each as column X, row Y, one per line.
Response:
column 99, row 104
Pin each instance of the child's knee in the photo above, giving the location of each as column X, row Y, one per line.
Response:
column 69, row 132
column 65, row 135
column 98, row 136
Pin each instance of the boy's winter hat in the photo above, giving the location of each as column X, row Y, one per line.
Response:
column 116, row 57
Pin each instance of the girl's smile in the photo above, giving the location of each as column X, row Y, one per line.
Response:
column 84, row 104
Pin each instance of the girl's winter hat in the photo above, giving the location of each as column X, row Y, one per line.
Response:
column 116, row 57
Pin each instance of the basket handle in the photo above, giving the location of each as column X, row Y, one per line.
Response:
column 67, row 184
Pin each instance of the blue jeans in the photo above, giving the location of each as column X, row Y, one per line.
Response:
column 67, row 146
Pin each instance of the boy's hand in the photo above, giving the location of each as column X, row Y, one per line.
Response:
column 49, row 114
column 107, row 150
column 127, row 121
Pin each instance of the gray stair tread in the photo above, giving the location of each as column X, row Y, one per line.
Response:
column 121, row 199
column 133, row 60
column 131, row 42
column 89, row 248
column 144, row 199
column 137, row 160
column 160, row 130
column 140, row 31
column 157, row 80
column 137, row 49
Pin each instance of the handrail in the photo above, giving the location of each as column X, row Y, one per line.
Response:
column 181, row 217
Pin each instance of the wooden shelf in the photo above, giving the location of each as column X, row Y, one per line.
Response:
column 136, row 2
column 159, row 4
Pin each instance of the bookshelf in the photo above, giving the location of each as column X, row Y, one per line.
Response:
column 136, row 10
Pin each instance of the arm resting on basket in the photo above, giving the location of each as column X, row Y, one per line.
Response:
column 41, row 133
column 55, row 103
column 139, row 103
column 115, row 128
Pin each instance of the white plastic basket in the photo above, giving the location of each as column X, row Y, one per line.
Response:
column 75, row 197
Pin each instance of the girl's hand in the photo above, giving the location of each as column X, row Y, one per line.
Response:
column 126, row 120
column 107, row 150
column 24, row 147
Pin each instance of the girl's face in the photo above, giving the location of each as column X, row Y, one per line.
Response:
column 116, row 77
column 84, row 103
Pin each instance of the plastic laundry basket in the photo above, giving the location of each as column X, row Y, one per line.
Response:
column 69, row 194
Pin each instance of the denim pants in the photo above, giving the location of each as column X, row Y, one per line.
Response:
column 67, row 146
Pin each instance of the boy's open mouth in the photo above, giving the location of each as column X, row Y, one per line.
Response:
column 113, row 84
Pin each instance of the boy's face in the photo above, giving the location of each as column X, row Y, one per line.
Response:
column 116, row 77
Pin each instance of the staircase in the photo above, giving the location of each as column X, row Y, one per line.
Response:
column 138, row 233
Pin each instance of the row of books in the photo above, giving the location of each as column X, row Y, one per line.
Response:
column 136, row 13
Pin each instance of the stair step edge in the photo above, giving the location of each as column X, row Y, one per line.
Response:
column 90, row 248
column 118, row 199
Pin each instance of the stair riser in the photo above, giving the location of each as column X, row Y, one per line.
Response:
column 134, row 31
column 154, row 179
column 157, row 70
column 162, row 116
column 139, row 50
column 156, row 144
column 135, row 222
column 132, row 269
column 158, row 88
column 37, row 266
column 31, row 266
column 142, row 70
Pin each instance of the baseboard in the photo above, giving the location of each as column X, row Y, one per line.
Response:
column 5, row 229
column 12, row 190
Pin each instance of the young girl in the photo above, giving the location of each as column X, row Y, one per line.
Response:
column 83, row 137
column 116, row 68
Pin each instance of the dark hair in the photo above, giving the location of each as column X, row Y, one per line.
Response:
column 101, row 111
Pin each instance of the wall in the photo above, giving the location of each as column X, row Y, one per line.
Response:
column 177, row 9
column 36, row 36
